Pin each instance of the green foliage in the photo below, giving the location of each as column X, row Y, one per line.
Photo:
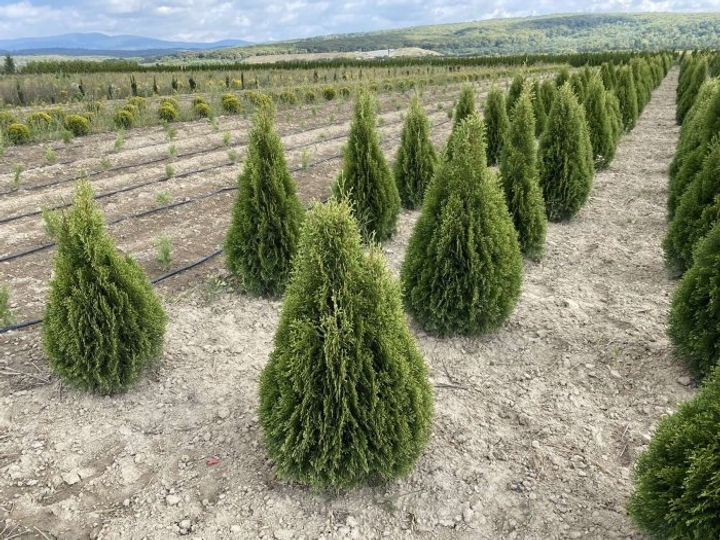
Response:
column 18, row 133
column 520, row 179
column 203, row 110
column 695, row 215
column 612, row 106
column 416, row 160
column 164, row 253
column 677, row 495
column 39, row 120
column 123, row 119
column 695, row 314
column 103, row 323
column 365, row 178
column 497, row 124
column 599, row 122
column 465, row 105
column 627, row 96
column 578, row 85
column 230, row 103
column 329, row 93
column 565, row 157
column 516, row 88
column 608, row 75
column 167, row 113
column 345, row 397
column 77, row 125
column 6, row 118
column 6, row 316
column 267, row 214
column 463, row 267
column 539, row 109
column 562, row 77
column 696, row 78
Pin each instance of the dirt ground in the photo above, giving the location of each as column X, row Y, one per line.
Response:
column 536, row 426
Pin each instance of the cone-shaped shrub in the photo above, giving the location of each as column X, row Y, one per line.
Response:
column 496, row 124
column 578, row 85
column 562, row 77
column 613, row 108
column 627, row 96
column 599, row 123
column 676, row 479
column 546, row 96
column 366, row 179
column 696, row 214
column 265, row 226
column 103, row 323
column 465, row 105
column 695, row 313
column 607, row 72
column 695, row 80
column 565, row 158
column 463, row 268
column 520, row 180
column 344, row 398
column 416, row 159
column 539, row 109
column 516, row 88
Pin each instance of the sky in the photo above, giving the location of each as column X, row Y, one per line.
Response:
column 272, row 20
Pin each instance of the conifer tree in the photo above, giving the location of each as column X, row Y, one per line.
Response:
column 627, row 96
column 695, row 215
column 496, row 124
column 613, row 109
column 562, row 77
column 366, row 179
column 463, row 268
column 599, row 123
column 607, row 72
column 345, row 397
column 696, row 77
column 676, row 479
column 516, row 88
column 267, row 213
column 565, row 158
column 103, row 324
column 695, row 314
column 578, row 86
column 465, row 105
column 539, row 109
column 520, row 180
column 546, row 96
column 416, row 159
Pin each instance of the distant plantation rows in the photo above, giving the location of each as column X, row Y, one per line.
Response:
column 345, row 399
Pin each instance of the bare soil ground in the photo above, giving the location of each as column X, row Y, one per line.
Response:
column 536, row 427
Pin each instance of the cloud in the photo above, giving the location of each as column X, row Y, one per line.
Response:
column 264, row 20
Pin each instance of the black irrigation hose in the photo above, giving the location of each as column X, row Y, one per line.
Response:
column 143, row 213
column 21, row 325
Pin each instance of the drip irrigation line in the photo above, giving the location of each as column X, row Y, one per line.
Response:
column 170, row 206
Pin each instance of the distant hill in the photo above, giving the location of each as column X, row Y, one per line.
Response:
column 103, row 44
column 546, row 34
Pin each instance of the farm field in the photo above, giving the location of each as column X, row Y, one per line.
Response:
column 536, row 426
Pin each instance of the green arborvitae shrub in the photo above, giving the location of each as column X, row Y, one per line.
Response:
column 520, row 180
column 676, row 494
column 230, row 103
column 366, row 179
column 416, row 159
column 77, row 125
column 167, row 113
column 170, row 101
column 562, row 77
column 203, row 110
column 138, row 101
column 695, row 215
column 103, row 323
column 697, row 77
column 198, row 100
column 538, row 108
column 345, row 397
column 516, row 87
column 39, row 120
column 607, row 72
column 615, row 116
column 123, row 119
column 695, row 314
column 6, row 316
column 465, row 105
column 497, row 124
column 266, row 218
column 6, row 118
column 565, row 158
column 329, row 93
column 578, row 85
column 599, row 123
column 627, row 96
column 18, row 133
column 463, row 267
column 546, row 96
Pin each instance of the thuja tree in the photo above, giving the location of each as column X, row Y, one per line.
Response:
column 613, row 108
column 599, row 123
column 465, row 105
column 463, row 267
column 578, row 85
column 565, row 158
column 516, row 88
column 676, row 493
column 539, row 109
column 607, row 72
column 345, row 397
column 627, row 96
column 545, row 97
column 562, row 77
column 695, row 314
column 416, row 159
column 695, row 215
column 696, row 78
column 365, row 179
column 265, row 226
column 496, row 124
column 103, row 324
column 520, row 180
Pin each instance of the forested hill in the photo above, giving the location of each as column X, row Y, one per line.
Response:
column 548, row 34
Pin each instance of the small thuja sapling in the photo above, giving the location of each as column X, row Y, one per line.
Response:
column 105, row 164
column 164, row 253
column 172, row 151
column 171, row 132
column 305, row 159
column 66, row 136
column 50, row 155
column 6, row 316
column 233, row 155
column 163, row 197
column 119, row 141
column 227, row 137
column 17, row 175
column 169, row 171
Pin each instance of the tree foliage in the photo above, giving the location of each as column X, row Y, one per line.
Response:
column 599, row 121
column 496, row 124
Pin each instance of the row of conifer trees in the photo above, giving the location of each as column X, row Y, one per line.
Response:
column 345, row 396
column 677, row 480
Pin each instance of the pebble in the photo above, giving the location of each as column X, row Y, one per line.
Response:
column 172, row 500
column 71, row 478
column 185, row 524
column 284, row 534
column 685, row 381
